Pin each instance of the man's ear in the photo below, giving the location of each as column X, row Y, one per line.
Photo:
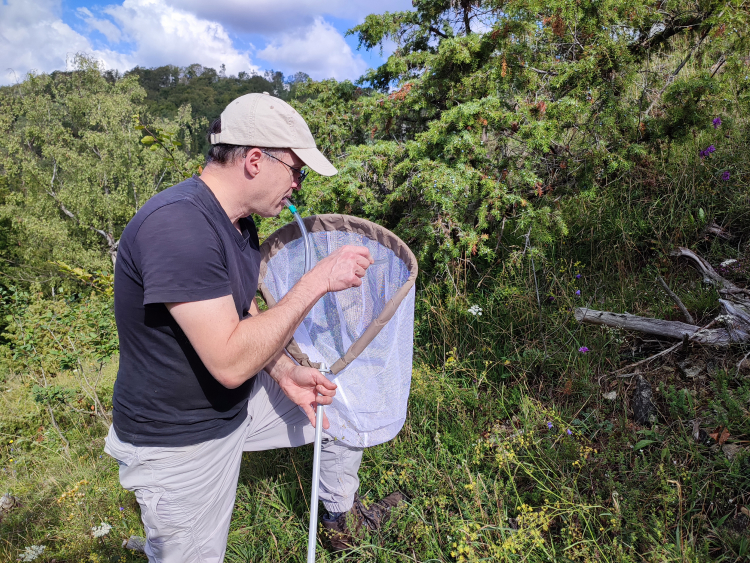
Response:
column 251, row 162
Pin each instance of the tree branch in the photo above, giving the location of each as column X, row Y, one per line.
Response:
column 436, row 31
column 466, row 5
column 677, row 300
column 671, row 28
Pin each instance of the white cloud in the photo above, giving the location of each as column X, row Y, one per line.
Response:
column 274, row 16
column 105, row 27
column 163, row 35
column 318, row 49
column 33, row 37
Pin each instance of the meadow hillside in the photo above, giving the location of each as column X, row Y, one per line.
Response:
column 538, row 157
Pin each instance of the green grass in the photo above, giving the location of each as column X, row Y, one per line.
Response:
column 489, row 480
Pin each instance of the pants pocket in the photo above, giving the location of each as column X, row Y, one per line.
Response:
column 160, row 513
column 168, row 531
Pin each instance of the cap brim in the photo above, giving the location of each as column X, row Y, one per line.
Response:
column 315, row 160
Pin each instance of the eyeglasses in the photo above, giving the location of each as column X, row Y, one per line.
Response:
column 299, row 173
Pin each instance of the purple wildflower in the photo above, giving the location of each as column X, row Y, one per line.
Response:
column 578, row 276
column 708, row 150
column 568, row 431
column 725, row 175
column 121, row 509
column 716, row 122
column 549, row 425
column 583, row 349
column 578, row 292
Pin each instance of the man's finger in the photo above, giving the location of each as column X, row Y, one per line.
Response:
column 327, row 393
column 310, row 412
column 362, row 251
column 325, row 382
column 322, row 400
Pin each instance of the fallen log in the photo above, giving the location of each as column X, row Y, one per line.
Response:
column 737, row 331
column 657, row 327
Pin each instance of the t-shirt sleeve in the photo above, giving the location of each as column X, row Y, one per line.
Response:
column 181, row 256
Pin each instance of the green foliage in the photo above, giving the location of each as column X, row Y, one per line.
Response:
column 497, row 133
column 51, row 395
column 73, row 169
column 45, row 337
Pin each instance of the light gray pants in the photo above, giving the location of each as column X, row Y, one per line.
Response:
column 187, row 493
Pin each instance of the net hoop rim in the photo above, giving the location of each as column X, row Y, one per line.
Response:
column 337, row 222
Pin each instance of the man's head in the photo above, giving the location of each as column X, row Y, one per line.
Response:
column 271, row 143
column 261, row 120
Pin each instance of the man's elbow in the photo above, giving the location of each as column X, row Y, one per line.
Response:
column 229, row 376
column 231, row 379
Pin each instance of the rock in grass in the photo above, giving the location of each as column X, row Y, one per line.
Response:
column 7, row 503
column 691, row 368
column 643, row 408
column 731, row 450
column 135, row 543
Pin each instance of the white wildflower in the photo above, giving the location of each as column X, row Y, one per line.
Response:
column 611, row 396
column 726, row 263
column 725, row 320
column 101, row 531
column 32, row 552
column 475, row 310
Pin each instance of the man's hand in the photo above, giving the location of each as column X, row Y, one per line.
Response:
column 344, row 268
column 308, row 388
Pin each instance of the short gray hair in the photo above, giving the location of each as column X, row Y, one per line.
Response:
column 224, row 154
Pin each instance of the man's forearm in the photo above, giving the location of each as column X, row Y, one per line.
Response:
column 258, row 341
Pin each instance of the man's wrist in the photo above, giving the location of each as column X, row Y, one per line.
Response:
column 312, row 283
column 280, row 367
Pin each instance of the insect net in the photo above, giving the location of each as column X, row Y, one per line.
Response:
column 365, row 334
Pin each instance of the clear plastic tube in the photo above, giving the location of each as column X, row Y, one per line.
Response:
column 305, row 236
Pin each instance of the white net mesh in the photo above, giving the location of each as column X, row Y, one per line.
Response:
column 370, row 403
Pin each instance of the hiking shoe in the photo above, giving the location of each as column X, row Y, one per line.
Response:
column 379, row 512
column 346, row 531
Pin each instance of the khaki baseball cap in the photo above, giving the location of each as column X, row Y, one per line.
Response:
column 262, row 120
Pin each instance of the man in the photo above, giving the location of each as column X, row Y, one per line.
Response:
column 203, row 375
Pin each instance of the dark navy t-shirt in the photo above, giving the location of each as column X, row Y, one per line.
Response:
column 180, row 246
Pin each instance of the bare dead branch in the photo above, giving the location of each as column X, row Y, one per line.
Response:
column 677, row 300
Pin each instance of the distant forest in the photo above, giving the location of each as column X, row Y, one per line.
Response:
column 207, row 90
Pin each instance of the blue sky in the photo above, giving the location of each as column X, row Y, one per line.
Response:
column 244, row 35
